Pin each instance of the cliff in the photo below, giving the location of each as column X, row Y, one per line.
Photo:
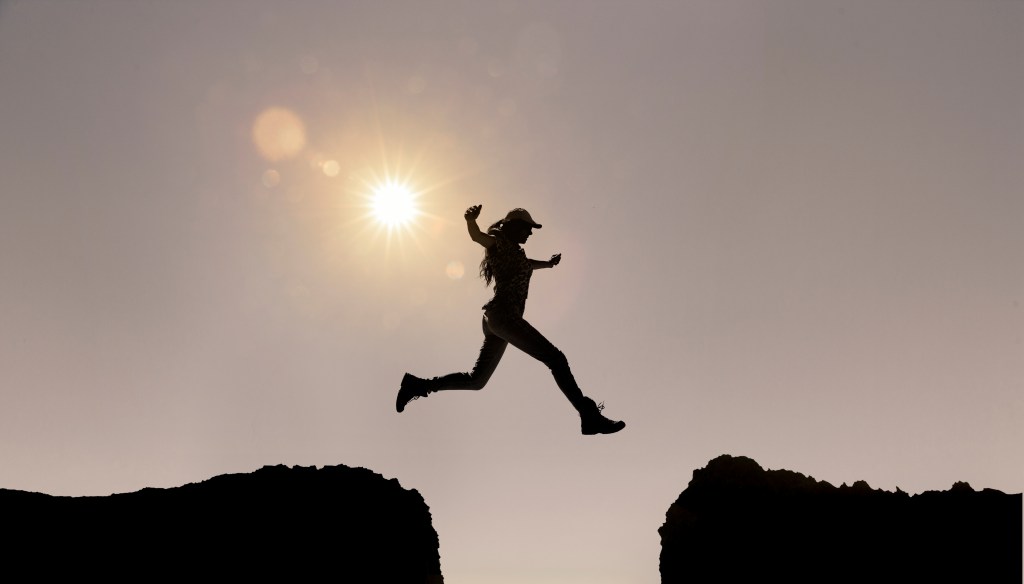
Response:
column 334, row 523
column 737, row 522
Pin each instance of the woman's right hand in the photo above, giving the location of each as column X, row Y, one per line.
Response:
column 474, row 230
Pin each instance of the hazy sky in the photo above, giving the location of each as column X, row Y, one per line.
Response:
column 790, row 230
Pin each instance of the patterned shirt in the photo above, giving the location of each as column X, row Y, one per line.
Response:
column 512, row 271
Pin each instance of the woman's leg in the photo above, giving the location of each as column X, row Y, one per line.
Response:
column 499, row 331
column 529, row 340
column 523, row 336
column 490, row 355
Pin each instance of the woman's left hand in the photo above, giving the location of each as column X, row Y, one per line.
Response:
column 555, row 259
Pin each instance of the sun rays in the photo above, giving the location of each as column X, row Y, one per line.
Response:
column 384, row 176
column 393, row 200
column 394, row 204
column 389, row 208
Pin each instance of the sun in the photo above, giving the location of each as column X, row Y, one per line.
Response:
column 394, row 204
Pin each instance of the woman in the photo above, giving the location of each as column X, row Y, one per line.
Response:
column 505, row 263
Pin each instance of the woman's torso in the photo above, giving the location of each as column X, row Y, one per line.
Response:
column 512, row 272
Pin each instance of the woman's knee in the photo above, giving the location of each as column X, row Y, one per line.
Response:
column 556, row 359
column 477, row 381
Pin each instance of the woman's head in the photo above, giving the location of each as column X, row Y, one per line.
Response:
column 517, row 226
column 516, row 231
column 522, row 215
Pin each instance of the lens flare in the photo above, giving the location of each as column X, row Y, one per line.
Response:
column 278, row 134
column 271, row 178
column 455, row 270
column 331, row 168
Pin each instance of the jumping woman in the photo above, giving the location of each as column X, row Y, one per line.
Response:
column 505, row 263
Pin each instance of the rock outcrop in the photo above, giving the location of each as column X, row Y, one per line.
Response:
column 333, row 523
column 737, row 522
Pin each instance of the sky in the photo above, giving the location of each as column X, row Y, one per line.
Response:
column 790, row 230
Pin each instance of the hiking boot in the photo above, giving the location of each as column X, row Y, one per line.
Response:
column 412, row 388
column 592, row 421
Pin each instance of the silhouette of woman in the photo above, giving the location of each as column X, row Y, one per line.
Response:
column 505, row 263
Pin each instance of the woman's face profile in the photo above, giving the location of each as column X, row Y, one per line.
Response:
column 517, row 231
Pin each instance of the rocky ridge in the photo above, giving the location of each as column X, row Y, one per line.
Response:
column 335, row 522
column 737, row 522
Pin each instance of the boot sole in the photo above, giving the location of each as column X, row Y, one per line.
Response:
column 613, row 429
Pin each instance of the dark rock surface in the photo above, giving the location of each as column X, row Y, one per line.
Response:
column 334, row 523
column 737, row 522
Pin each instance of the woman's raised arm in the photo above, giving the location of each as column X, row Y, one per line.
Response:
column 474, row 230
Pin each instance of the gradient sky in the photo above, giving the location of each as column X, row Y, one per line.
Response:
column 790, row 230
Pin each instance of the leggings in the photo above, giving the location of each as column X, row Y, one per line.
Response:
column 500, row 330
